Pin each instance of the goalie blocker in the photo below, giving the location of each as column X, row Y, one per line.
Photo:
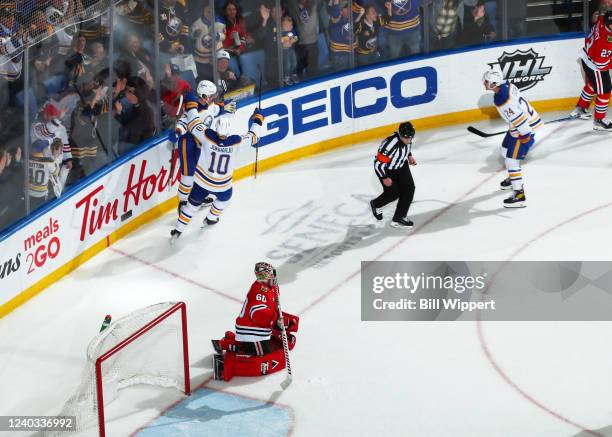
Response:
column 256, row 348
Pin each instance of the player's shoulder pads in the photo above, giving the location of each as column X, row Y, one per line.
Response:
column 504, row 94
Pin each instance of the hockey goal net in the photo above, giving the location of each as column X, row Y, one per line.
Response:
column 148, row 346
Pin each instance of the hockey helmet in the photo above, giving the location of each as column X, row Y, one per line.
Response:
column 608, row 20
column 223, row 126
column 494, row 76
column 406, row 130
column 206, row 89
column 264, row 272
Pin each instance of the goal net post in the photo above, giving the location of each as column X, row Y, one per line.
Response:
column 148, row 346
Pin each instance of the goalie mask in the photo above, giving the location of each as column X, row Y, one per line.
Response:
column 264, row 272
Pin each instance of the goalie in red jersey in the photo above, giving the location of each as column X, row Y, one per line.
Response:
column 256, row 347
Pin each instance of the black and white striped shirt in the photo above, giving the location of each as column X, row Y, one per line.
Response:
column 392, row 155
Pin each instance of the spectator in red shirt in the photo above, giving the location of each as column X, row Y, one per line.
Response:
column 172, row 89
column 235, row 29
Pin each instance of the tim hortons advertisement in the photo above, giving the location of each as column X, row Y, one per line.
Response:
column 84, row 219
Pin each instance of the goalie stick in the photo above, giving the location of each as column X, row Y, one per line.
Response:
column 482, row 134
column 287, row 381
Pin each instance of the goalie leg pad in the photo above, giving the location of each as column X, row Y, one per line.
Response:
column 247, row 365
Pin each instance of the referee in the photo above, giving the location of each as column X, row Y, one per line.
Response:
column 392, row 168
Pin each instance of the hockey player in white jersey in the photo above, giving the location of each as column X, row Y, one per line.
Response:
column 49, row 128
column 215, row 169
column 520, row 138
column 199, row 111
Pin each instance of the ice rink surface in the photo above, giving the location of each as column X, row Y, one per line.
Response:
column 311, row 219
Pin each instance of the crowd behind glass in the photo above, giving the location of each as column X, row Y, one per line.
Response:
column 84, row 81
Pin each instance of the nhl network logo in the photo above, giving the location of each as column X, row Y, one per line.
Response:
column 522, row 68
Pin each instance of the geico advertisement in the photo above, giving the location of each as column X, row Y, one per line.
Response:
column 85, row 218
column 410, row 90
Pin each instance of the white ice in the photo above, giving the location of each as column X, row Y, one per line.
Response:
column 351, row 377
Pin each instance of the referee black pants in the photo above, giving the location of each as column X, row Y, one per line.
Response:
column 402, row 188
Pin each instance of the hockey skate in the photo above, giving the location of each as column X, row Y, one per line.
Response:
column 581, row 113
column 604, row 125
column 180, row 205
column 174, row 235
column 401, row 223
column 505, row 184
column 209, row 222
column 218, row 367
column 516, row 200
column 207, row 202
column 376, row 212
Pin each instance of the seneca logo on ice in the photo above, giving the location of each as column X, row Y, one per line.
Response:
column 358, row 99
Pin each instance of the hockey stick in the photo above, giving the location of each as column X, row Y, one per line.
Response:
column 258, row 107
column 174, row 145
column 287, row 382
column 482, row 134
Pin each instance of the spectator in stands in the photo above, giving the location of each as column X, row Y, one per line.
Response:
column 477, row 26
column 341, row 40
column 62, row 33
column 11, row 58
column 99, row 60
column 91, row 124
column 43, row 48
column 445, row 22
column 235, row 29
column 367, row 30
column 12, row 202
column 288, row 39
column 307, row 49
column 229, row 78
column 135, row 113
column 132, row 17
column 267, row 35
column 138, row 59
column 172, row 87
column 206, row 42
column 602, row 8
column 173, row 29
column 78, row 62
column 403, row 28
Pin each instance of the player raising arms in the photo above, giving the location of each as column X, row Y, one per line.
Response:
column 596, row 64
column 199, row 111
column 215, row 169
column 523, row 120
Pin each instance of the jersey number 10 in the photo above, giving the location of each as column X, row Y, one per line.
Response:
column 221, row 164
